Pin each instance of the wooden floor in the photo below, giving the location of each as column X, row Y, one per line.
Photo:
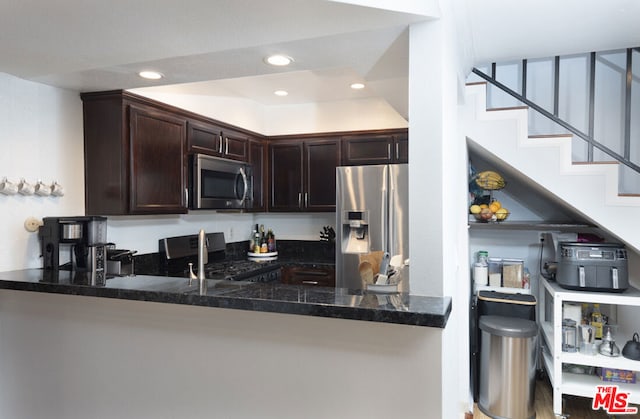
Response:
column 574, row 407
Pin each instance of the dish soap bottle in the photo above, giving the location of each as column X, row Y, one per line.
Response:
column 596, row 320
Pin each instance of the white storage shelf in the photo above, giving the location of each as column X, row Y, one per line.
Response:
column 553, row 357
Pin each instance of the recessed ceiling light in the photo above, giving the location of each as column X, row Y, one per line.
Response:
column 278, row 60
column 281, row 93
column 357, row 86
column 151, row 75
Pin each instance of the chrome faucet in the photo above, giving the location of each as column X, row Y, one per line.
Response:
column 203, row 257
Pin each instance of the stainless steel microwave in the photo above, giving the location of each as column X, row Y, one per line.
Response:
column 217, row 183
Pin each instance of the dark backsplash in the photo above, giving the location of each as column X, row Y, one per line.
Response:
column 289, row 251
column 307, row 250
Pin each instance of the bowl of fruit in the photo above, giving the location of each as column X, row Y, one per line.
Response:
column 492, row 212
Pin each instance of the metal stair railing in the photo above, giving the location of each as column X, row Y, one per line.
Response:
column 588, row 137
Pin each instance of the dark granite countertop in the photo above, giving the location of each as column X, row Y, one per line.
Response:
column 240, row 295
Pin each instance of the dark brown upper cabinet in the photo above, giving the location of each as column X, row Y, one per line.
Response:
column 375, row 148
column 135, row 156
column 302, row 174
column 157, row 182
column 215, row 140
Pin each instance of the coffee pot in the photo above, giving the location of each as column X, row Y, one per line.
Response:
column 631, row 349
column 608, row 346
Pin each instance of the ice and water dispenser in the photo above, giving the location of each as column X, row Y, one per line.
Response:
column 355, row 232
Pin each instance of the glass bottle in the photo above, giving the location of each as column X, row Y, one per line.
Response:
column 252, row 240
column 271, row 241
column 256, row 240
column 262, row 243
column 481, row 269
column 596, row 320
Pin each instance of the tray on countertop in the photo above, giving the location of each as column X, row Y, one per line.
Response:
column 262, row 257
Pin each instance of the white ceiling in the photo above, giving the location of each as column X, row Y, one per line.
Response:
column 506, row 30
column 216, row 47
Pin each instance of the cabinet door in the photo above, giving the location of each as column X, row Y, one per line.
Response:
column 257, row 158
column 285, row 168
column 366, row 149
column 314, row 276
column 401, row 148
column 321, row 159
column 234, row 145
column 204, row 138
column 158, row 169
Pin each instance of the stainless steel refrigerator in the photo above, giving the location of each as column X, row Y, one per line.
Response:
column 372, row 218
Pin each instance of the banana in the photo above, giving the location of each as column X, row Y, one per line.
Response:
column 490, row 180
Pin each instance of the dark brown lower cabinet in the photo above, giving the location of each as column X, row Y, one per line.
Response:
column 322, row 276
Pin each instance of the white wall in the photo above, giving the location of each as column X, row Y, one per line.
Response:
column 363, row 114
column 438, row 194
column 74, row 357
column 236, row 111
column 347, row 115
column 41, row 138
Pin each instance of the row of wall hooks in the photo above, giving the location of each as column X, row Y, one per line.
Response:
column 26, row 188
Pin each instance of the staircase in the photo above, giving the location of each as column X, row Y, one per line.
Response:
column 591, row 189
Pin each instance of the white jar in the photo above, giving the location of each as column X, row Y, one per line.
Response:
column 481, row 269
column 480, row 274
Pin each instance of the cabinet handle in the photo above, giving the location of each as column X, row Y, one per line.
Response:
column 397, row 151
column 186, row 196
column 310, row 282
column 220, row 143
column 389, row 151
column 299, row 199
column 312, row 273
column 226, row 145
column 306, row 199
column 246, row 185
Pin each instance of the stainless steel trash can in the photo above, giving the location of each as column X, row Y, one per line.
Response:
column 507, row 367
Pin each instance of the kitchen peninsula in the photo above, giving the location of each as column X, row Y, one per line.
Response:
column 338, row 303
column 154, row 348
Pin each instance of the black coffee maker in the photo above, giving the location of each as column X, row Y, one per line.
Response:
column 85, row 238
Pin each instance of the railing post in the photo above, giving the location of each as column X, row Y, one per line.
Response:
column 627, row 107
column 524, row 78
column 592, row 100
column 556, row 85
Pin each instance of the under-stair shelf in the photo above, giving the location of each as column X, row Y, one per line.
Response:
column 530, row 225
